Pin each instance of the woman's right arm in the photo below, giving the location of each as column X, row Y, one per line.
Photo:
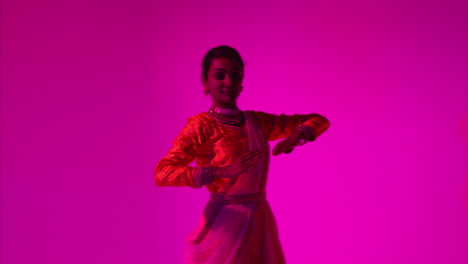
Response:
column 174, row 169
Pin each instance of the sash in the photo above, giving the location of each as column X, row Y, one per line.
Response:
column 254, row 180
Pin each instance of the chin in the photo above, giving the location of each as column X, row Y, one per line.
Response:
column 232, row 102
column 231, row 98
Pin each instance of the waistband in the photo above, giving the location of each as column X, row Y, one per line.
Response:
column 238, row 198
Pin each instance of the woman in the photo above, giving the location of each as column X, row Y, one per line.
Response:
column 231, row 151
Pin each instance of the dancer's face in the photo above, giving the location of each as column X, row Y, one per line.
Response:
column 224, row 82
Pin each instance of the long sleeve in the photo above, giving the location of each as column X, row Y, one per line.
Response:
column 281, row 126
column 173, row 169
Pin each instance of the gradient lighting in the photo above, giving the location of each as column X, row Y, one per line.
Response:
column 94, row 92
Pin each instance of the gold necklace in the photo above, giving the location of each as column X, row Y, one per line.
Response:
column 226, row 116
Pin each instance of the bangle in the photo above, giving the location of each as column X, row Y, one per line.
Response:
column 301, row 141
column 197, row 177
column 308, row 132
column 207, row 176
column 202, row 176
column 305, row 133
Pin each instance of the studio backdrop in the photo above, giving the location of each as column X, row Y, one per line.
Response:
column 94, row 92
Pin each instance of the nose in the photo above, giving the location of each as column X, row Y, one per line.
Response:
column 227, row 81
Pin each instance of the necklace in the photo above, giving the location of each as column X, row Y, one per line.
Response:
column 225, row 111
column 227, row 116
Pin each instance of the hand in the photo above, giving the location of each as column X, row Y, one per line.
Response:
column 239, row 165
column 287, row 145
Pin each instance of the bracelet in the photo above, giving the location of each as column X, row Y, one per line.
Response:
column 301, row 141
column 307, row 132
column 202, row 176
column 197, row 177
column 207, row 176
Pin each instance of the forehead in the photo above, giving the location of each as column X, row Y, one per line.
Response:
column 224, row 64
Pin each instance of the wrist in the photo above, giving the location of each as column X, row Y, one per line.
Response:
column 203, row 176
column 299, row 135
column 218, row 173
column 308, row 132
column 299, row 138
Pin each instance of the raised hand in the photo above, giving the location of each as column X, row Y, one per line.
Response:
column 287, row 145
column 239, row 165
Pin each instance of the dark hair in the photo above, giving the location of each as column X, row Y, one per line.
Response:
column 220, row 51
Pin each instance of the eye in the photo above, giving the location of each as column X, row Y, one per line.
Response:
column 220, row 76
column 235, row 76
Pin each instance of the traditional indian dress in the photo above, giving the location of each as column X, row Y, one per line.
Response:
column 237, row 225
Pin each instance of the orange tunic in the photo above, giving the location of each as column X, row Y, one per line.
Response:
column 237, row 225
column 212, row 144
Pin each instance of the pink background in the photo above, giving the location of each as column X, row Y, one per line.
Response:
column 94, row 92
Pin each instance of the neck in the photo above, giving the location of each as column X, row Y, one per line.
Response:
column 224, row 111
column 226, row 106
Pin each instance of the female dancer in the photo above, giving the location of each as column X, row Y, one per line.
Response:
column 231, row 151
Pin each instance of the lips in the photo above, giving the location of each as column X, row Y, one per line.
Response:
column 230, row 93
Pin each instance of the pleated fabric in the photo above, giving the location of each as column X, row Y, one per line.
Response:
column 238, row 225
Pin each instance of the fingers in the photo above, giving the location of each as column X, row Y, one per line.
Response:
column 282, row 147
column 249, row 160
column 254, row 156
column 243, row 162
column 253, row 159
column 279, row 148
column 253, row 153
column 287, row 151
column 250, row 163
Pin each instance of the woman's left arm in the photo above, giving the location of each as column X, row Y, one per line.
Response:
column 294, row 129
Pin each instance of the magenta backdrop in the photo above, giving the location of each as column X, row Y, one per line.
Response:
column 94, row 92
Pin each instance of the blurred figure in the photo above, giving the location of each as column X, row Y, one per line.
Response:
column 231, row 151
